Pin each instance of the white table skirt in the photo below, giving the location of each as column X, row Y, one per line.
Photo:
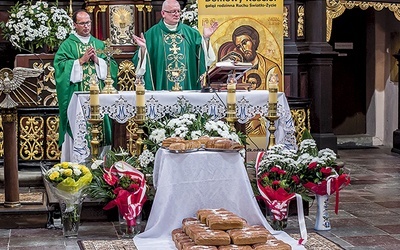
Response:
column 188, row 182
column 120, row 107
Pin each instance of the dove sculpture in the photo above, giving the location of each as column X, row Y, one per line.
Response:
column 11, row 80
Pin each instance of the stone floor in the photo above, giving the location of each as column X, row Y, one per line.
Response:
column 368, row 218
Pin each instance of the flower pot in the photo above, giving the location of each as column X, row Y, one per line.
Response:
column 277, row 214
column 322, row 217
column 129, row 228
column 70, row 217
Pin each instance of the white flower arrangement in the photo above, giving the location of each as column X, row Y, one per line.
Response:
column 32, row 26
column 190, row 14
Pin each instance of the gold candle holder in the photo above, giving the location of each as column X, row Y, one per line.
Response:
column 139, row 120
column 95, row 118
column 231, row 117
column 271, row 129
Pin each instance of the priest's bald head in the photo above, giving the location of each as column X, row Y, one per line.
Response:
column 171, row 12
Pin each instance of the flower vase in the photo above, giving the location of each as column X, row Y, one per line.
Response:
column 322, row 217
column 129, row 228
column 70, row 216
column 277, row 214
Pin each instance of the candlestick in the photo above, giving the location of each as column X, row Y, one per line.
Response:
column 140, row 113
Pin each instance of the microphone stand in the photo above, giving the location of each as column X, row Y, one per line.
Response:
column 207, row 88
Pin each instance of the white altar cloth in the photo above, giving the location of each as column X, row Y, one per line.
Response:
column 188, row 182
column 121, row 107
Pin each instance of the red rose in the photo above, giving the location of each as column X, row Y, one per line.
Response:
column 282, row 172
column 296, row 179
column 275, row 170
column 276, row 182
column 312, row 165
column 326, row 171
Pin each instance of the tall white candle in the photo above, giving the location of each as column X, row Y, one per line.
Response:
column 94, row 94
column 140, row 98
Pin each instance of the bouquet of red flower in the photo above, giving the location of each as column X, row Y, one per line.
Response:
column 278, row 182
column 319, row 171
column 122, row 185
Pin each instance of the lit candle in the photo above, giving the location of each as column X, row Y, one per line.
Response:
column 94, row 94
column 140, row 98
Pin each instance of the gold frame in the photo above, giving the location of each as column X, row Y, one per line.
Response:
column 335, row 8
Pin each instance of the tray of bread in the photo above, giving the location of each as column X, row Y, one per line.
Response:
column 222, row 145
column 220, row 229
column 180, row 145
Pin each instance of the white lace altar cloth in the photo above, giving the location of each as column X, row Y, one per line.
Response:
column 120, row 107
column 188, row 182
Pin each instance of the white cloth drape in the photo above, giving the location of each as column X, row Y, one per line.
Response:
column 191, row 181
column 120, row 107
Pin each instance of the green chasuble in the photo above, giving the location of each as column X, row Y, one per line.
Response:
column 173, row 56
column 69, row 51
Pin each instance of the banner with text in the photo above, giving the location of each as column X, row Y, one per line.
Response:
column 248, row 31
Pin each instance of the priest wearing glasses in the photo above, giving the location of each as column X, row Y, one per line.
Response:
column 171, row 51
column 76, row 60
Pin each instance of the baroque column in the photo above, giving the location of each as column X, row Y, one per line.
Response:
column 320, row 75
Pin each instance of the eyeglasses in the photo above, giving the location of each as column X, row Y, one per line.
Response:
column 85, row 23
column 173, row 11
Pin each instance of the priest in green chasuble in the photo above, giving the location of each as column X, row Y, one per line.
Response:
column 171, row 51
column 75, row 62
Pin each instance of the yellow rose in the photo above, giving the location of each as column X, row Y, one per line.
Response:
column 54, row 175
column 68, row 172
column 85, row 170
column 64, row 164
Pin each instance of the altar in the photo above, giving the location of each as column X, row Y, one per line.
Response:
column 121, row 107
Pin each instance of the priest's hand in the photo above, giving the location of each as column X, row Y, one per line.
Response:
column 141, row 41
column 90, row 54
column 209, row 30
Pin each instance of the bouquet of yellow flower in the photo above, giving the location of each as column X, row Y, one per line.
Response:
column 68, row 182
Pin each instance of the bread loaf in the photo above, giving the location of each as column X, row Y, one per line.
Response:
column 200, row 247
column 179, row 146
column 168, row 141
column 212, row 238
column 272, row 244
column 235, row 247
column 224, row 222
column 203, row 213
column 193, row 144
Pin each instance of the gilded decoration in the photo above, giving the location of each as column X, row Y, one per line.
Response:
column 300, row 21
column 285, row 21
column 301, row 120
column 126, row 75
column 122, row 24
column 335, row 8
column 31, row 138
column 52, row 150
column 131, row 135
column 46, row 90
